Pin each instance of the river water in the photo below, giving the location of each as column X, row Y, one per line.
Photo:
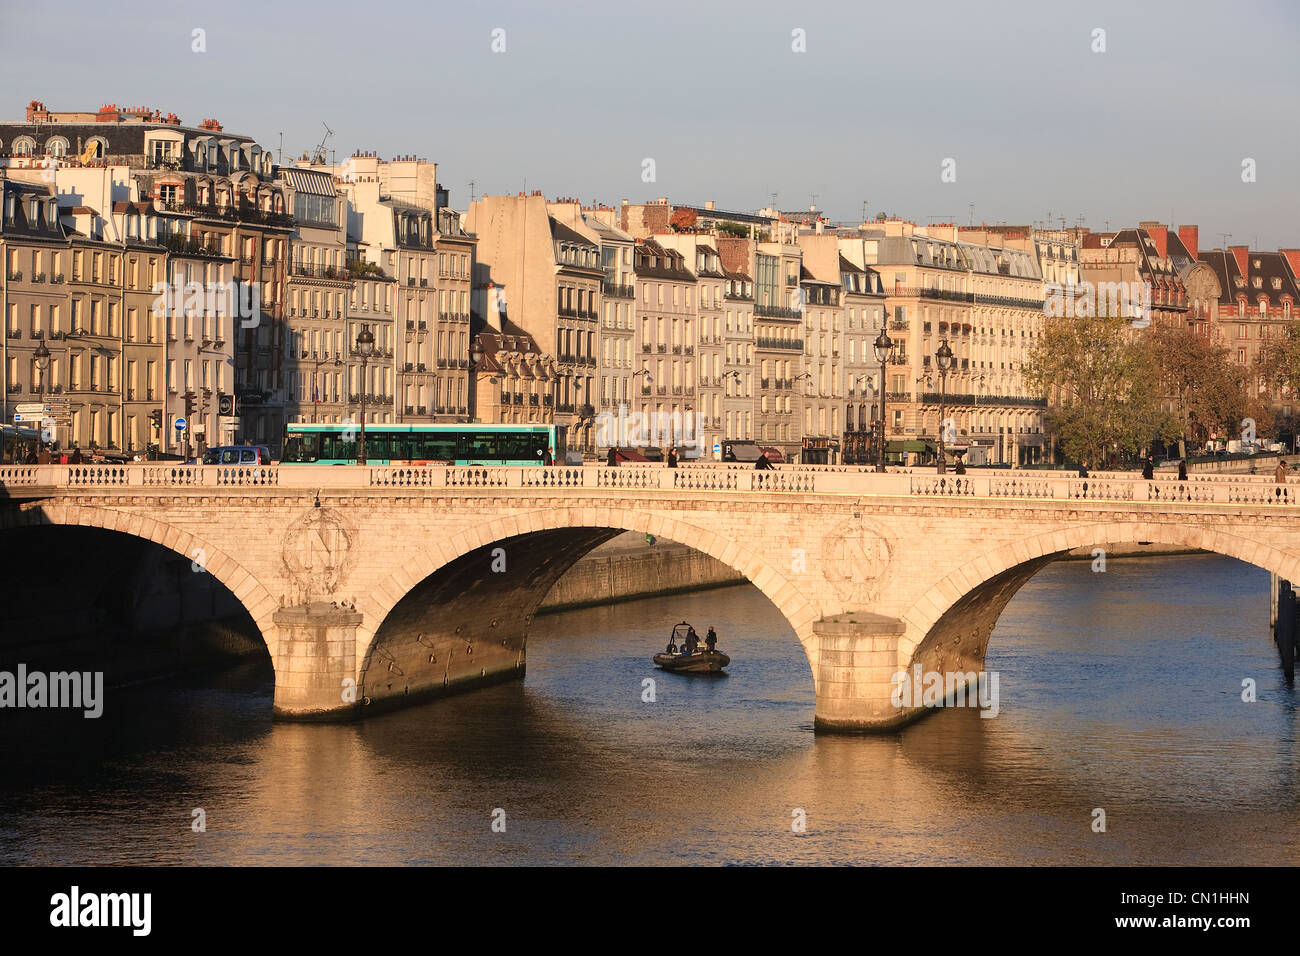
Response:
column 1119, row 691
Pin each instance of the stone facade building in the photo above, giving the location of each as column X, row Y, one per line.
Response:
column 550, row 278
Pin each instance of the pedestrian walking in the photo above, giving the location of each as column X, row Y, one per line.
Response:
column 1083, row 469
column 672, row 457
column 549, row 458
column 611, row 459
column 1148, row 468
column 1182, row 470
column 1279, row 474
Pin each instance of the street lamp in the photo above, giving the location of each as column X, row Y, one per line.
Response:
column 942, row 357
column 42, row 357
column 365, row 348
column 883, row 345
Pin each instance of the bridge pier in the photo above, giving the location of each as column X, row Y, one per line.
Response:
column 316, row 662
column 856, row 663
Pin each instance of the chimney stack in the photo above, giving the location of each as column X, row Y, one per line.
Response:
column 1190, row 235
column 1159, row 234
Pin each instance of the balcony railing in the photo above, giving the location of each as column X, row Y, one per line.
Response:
column 932, row 398
column 776, row 312
column 1009, row 302
column 945, row 295
column 617, row 290
column 318, row 272
column 766, row 342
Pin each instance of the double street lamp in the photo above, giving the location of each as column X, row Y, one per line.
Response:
column 883, row 345
column 364, row 349
column 42, row 357
column 943, row 358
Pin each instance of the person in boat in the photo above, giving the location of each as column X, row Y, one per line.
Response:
column 692, row 641
column 710, row 640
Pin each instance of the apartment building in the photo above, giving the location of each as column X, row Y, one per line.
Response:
column 617, row 357
column 1250, row 298
column 549, row 278
column 318, row 295
column 667, row 336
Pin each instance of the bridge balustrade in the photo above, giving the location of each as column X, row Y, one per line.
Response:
column 781, row 479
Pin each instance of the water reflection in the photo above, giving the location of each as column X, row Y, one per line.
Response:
column 1119, row 690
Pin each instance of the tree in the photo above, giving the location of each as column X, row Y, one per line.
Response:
column 1209, row 392
column 683, row 219
column 1098, row 381
column 1279, row 358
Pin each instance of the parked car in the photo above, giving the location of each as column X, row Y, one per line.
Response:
column 237, row 455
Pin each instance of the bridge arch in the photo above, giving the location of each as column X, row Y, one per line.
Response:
column 591, row 526
column 952, row 622
column 247, row 590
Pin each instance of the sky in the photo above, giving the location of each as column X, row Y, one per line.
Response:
column 837, row 104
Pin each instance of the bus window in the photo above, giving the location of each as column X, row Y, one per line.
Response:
column 474, row 446
column 433, row 447
column 334, row 448
column 378, row 447
column 302, row 448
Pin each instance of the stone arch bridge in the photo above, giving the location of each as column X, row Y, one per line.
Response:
column 376, row 586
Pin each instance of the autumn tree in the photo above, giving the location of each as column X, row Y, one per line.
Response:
column 683, row 219
column 1209, row 393
column 1099, row 383
column 1278, row 361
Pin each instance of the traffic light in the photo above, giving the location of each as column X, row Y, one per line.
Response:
column 189, row 405
column 226, row 405
column 155, row 418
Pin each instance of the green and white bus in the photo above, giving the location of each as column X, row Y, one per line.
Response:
column 473, row 444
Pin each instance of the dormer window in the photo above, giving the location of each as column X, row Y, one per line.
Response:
column 52, row 213
column 56, row 147
column 1276, row 283
column 24, row 146
column 1257, row 282
column 1240, row 282
column 1255, row 263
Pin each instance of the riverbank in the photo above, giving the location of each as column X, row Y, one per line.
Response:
column 627, row 568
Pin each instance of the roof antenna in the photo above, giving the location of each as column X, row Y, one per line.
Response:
column 318, row 158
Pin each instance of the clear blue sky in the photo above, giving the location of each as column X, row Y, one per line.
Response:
column 1156, row 126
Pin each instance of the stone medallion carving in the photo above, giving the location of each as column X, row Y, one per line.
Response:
column 317, row 552
column 856, row 559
